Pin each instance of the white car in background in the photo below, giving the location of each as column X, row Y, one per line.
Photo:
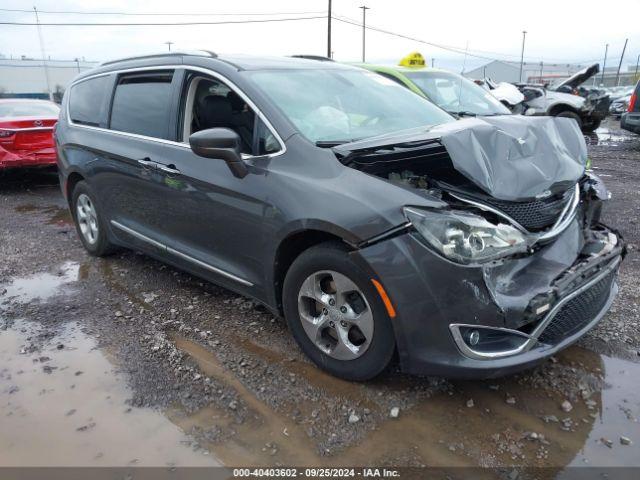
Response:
column 507, row 93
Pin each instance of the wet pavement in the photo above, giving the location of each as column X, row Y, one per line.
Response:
column 63, row 404
column 157, row 367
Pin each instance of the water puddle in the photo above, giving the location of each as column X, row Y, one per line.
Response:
column 604, row 136
column 247, row 445
column 40, row 286
column 62, row 404
column 57, row 215
column 516, row 421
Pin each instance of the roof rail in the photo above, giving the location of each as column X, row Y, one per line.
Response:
column 198, row 53
column 319, row 58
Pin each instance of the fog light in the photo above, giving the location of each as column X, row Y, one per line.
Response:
column 482, row 342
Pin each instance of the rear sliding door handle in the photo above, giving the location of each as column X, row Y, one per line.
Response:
column 147, row 162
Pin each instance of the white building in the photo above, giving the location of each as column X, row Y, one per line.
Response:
column 26, row 77
column 532, row 72
column 541, row 72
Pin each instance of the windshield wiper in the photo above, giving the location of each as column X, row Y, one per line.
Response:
column 463, row 113
column 331, row 143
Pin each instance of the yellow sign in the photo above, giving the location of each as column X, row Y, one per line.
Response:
column 413, row 60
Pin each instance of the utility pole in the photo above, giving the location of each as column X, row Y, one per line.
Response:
column 329, row 53
column 604, row 64
column 169, row 44
column 635, row 77
column 620, row 64
column 364, row 28
column 44, row 55
column 541, row 67
column 524, row 35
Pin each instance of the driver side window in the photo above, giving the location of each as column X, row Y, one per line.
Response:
column 210, row 103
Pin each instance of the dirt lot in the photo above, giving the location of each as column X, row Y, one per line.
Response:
column 125, row 361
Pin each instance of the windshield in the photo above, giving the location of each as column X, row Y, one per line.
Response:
column 338, row 106
column 28, row 109
column 456, row 94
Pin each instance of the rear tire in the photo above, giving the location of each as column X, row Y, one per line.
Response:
column 341, row 324
column 591, row 126
column 90, row 222
column 569, row 114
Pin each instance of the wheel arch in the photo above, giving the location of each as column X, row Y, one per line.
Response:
column 563, row 107
column 72, row 180
column 292, row 245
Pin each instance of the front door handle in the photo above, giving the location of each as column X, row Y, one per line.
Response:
column 171, row 168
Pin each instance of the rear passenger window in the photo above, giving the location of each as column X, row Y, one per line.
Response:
column 141, row 104
column 87, row 100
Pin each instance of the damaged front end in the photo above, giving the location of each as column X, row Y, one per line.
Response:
column 523, row 264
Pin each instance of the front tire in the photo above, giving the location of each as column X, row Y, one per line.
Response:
column 569, row 114
column 336, row 315
column 90, row 222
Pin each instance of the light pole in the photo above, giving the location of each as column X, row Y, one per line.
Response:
column 604, row 64
column 169, row 44
column 364, row 27
column 541, row 67
column 44, row 56
column 329, row 31
column 620, row 64
column 524, row 36
column 637, row 62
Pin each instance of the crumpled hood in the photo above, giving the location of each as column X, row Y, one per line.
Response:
column 510, row 157
column 515, row 158
column 577, row 79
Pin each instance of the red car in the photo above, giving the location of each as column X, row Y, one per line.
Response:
column 26, row 133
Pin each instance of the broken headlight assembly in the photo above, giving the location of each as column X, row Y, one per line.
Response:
column 464, row 237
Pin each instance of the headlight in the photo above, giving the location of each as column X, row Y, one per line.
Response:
column 464, row 237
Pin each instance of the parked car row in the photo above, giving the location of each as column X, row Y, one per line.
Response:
column 26, row 125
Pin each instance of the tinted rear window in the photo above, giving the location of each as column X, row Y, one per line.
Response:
column 141, row 104
column 86, row 102
column 28, row 109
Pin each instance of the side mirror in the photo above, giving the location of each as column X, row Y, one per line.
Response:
column 221, row 144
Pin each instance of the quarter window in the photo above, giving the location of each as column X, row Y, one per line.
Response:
column 87, row 100
column 141, row 104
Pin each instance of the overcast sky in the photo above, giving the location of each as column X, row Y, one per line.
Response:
column 558, row 31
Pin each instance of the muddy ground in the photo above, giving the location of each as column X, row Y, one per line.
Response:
column 125, row 361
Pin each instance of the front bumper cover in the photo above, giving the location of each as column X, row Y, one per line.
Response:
column 431, row 294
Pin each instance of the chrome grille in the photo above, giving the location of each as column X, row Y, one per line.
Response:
column 578, row 312
column 535, row 215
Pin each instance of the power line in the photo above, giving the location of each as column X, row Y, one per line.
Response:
column 140, row 14
column 41, row 65
column 156, row 24
column 407, row 37
column 458, row 50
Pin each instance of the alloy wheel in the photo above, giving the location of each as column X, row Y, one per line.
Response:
column 87, row 218
column 335, row 315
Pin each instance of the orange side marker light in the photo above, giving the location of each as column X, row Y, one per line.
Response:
column 385, row 298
